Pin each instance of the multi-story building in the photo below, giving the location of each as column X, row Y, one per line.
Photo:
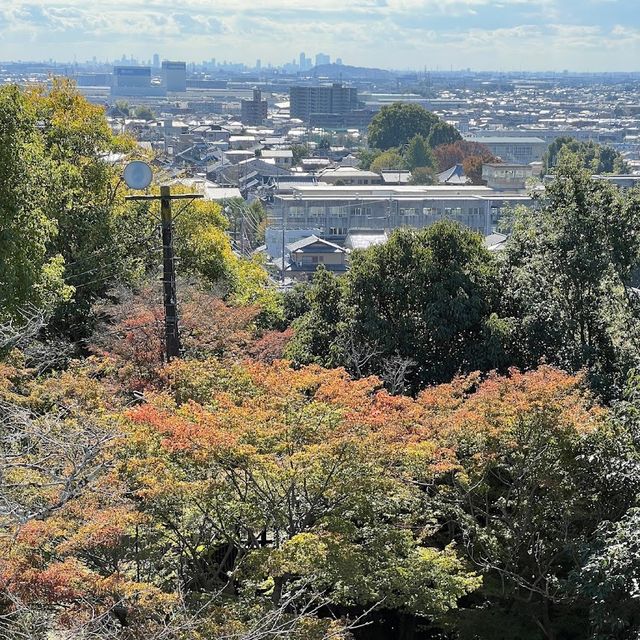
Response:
column 506, row 177
column 174, row 75
column 335, row 210
column 302, row 258
column 279, row 157
column 512, row 149
column 133, row 81
column 335, row 98
column 254, row 111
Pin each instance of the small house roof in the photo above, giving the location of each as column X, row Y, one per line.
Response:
column 300, row 245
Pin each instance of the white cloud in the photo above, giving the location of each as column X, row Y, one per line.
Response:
column 398, row 33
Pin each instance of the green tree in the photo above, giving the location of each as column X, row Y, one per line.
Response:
column 443, row 133
column 389, row 159
column 101, row 239
column 367, row 156
column 565, row 276
column 295, row 302
column 425, row 296
column 423, row 176
column 610, row 579
column 540, row 469
column 418, row 153
column 300, row 151
column 317, row 332
column 202, row 243
column 596, row 158
column 394, row 125
column 415, row 310
column 28, row 273
column 144, row 112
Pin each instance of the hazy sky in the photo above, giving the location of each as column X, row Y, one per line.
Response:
column 585, row 35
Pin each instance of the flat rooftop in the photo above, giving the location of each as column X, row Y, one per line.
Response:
column 314, row 192
column 504, row 139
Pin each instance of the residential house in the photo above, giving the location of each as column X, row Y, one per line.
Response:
column 306, row 255
column 279, row 157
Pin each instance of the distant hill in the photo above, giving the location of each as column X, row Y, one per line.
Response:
column 346, row 72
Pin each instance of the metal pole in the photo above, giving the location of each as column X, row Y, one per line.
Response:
column 242, row 231
column 172, row 337
column 283, row 226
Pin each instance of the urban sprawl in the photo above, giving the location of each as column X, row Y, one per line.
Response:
column 294, row 137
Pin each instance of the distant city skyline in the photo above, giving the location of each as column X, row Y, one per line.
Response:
column 579, row 35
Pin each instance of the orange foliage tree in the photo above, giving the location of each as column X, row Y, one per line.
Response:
column 134, row 331
column 472, row 155
column 256, row 485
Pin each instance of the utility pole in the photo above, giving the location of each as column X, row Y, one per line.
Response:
column 171, row 328
column 171, row 335
column 242, row 232
column 283, row 244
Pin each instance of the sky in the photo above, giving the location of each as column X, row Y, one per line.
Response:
column 507, row 35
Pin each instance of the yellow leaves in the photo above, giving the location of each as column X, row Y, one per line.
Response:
column 426, row 459
column 146, row 599
column 300, row 555
column 203, row 380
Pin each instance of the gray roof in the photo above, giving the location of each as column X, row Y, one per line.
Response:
column 349, row 172
column 400, row 175
column 364, row 238
column 504, row 140
column 453, row 175
column 277, row 153
column 313, row 239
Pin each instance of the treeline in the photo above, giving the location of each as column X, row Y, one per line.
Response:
column 407, row 136
column 444, row 443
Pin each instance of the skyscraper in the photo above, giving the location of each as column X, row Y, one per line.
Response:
column 156, row 60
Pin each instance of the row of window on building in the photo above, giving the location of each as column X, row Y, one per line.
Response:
column 343, row 212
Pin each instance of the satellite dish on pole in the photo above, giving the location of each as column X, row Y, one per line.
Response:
column 137, row 175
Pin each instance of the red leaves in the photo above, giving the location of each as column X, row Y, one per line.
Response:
column 271, row 346
column 58, row 583
column 193, row 430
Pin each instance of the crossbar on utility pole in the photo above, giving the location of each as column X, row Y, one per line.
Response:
column 169, row 294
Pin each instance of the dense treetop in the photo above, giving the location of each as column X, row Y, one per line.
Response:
column 598, row 159
column 394, row 126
